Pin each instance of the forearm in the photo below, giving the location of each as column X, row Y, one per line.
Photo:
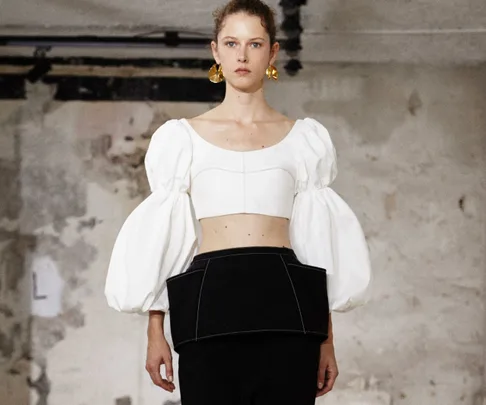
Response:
column 156, row 324
column 330, row 336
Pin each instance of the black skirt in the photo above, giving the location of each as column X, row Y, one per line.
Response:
column 247, row 290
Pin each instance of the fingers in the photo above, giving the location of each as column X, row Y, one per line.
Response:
column 169, row 372
column 326, row 380
column 330, row 379
column 154, row 373
column 158, row 353
column 153, row 369
column 321, row 374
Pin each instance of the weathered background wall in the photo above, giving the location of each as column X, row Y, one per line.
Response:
column 445, row 31
column 412, row 158
column 406, row 113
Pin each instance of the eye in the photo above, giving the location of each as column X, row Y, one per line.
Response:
column 256, row 44
column 230, row 43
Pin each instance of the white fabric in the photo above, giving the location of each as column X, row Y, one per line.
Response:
column 225, row 182
column 324, row 231
column 159, row 238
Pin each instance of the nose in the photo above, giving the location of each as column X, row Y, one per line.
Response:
column 242, row 57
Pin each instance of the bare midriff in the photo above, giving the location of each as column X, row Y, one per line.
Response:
column 243, row 230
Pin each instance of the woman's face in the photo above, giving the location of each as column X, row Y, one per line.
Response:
column 244, row 51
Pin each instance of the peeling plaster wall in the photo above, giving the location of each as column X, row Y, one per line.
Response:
column 412, row 161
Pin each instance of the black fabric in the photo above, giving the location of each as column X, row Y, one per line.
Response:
column 250, row 369
column 247, row 290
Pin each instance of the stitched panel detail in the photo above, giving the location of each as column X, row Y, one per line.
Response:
column 323, row 270
column 183, row 274
column 200, row 295
column 251, row 331
column 240, row 172
column 295, row 294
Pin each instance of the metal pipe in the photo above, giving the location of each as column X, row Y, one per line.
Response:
column 170, row 40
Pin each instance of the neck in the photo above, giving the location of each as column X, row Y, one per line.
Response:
column 245, row 106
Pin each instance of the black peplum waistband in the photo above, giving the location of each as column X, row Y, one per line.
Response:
column 247, row 290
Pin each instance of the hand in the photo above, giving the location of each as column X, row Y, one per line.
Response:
column 158, row 353
column 328, row 371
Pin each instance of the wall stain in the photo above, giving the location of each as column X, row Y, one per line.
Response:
column 54, row 195
column 72, row 261
column 21, row 365
column 74, row 316
column 126, row 400
column 47, row 332
column 48, row 191
column 88, row 223
column 10, row 187
column 7, row 343
column 42, row 386
column 5, row 310
column 414, row 103
column 100, row 146
column 10, row 168
column 461, row 203
column 77, row 257
column 106, row 167
column 13, row 257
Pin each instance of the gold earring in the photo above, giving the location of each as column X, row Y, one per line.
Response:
column 215, row 74
column 272, row 72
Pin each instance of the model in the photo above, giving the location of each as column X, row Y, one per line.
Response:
column 242, row 239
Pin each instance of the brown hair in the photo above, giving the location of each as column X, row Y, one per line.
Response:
column 252, row 7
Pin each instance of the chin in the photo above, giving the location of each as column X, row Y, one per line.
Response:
column 248, row 89
column 246, row 84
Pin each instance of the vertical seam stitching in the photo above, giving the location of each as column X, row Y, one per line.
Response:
column 295, row 294
column 244, row 181
column 200, row 295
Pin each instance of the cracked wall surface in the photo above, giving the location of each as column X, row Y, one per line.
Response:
column 412, row 164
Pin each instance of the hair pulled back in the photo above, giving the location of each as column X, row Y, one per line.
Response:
column 251, row 7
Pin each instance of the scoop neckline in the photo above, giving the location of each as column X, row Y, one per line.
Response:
column 212, row 145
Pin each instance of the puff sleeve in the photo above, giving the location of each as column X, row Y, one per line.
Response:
column 158, row 238
column 324, row 230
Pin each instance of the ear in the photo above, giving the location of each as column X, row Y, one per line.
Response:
column 214, row 50
column 274, row 52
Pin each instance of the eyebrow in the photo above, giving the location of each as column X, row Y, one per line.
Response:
column 251, row 39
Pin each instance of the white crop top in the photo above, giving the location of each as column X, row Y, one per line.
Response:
column 190, row 178
column 227, row 182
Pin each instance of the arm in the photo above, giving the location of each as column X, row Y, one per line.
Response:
column 158, row 352
column 328, row 370
column 156, row 323
column 330, row 336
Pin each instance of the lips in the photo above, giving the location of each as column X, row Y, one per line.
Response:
column 242, row 70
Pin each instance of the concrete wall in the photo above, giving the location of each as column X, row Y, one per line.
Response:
column 412, row 161
column 419, row 31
